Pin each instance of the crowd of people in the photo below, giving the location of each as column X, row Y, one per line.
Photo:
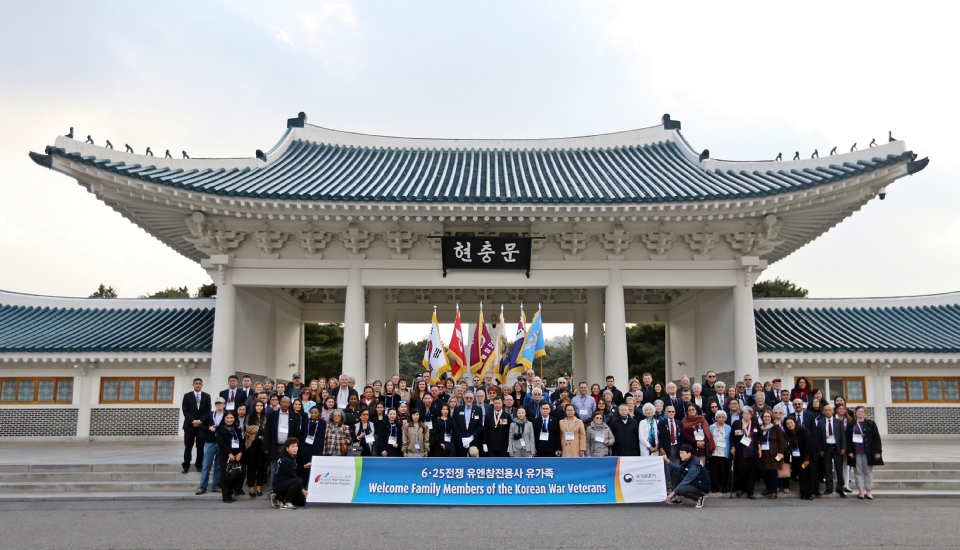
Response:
column 713, row 438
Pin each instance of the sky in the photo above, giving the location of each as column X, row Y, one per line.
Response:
column 219, row 78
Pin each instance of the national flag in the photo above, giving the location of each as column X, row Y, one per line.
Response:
column 500, row 359
column 533, row 345
column 434, row 356
column 514, row 369
column 481, row 347
column 455, row 351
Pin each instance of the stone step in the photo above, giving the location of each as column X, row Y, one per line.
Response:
column 185, row 487
column 55, row 468
column 946, row 465
column 917, row 484
column 901, row 493
column 91, row 477
column 882, row 472
column 132, row 495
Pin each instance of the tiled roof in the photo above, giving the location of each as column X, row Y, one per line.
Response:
column 27, row 329
column 924, row 329
column 655, row 172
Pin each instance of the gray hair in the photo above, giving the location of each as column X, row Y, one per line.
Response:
column 720, row 416
column 607, row 392
column 649, row 407
column 720, row 384
column 658, row 402
column 696, row 386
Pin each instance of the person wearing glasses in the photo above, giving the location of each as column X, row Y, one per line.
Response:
column 709, row 388
column 670, row 433
column 864, row 449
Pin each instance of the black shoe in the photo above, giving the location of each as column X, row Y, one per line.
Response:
column 199, row 469
column 751, row 497
column 818, row 494
column 228, row 500
column 259, row 493
column 253, row 494
column 239, row 492
column 186, row 470
column 739, row 494
column 841, row 494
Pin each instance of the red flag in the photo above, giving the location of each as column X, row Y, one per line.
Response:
column 458, row 357
column 481, row 347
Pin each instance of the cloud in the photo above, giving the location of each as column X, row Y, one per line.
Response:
column 340, row 14
column 280, row 34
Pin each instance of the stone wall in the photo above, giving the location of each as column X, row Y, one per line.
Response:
column 923, row 420
column 38, row 422
column 134, row 421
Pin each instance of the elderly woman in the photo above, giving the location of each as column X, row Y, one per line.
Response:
column 599, row 437
column 718, row 463
column 649, row 434
column 773, row 447
column 659, row 414
column 865, row 450
column 696, row 396
column 337, row 436
column 521, row 443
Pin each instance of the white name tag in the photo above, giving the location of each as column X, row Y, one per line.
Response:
column 523, row 444
column 583, row 412
column 308, row 440
column 745, row 441
column 796, row 452
column 544, row 436
column 485, row 448
column 858, row 438
column 467, row 441
column 831, row 439
column 392, row 441
column 599, row 438
column 764, row 446
column 235, row 444
column 699, row 436
column 447, row 438
column 283, row 429
column 568, row 436
column 230, row 406
column 416, row 445
column 429, row 425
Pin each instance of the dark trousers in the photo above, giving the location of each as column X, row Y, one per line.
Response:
column 689, row 491
column 498, row 454
column 192, row 437
column 746, row 473
column 832, row 465
column 719, row 469
column 290, row 490
column 808, row 477
column 770, row 480
column 229, row 488
column 256, row 465
column 673, row 478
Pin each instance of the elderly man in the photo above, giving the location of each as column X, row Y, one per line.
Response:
column 561, row 385
column 466, row 425
column 352, row 382
column 584, row 404
column 774, row 395
column 672, row 398
column 488, row 382
column 537, row 383
column 685, row 384
column 720, row 397
column 343, row 392
column 533, row 407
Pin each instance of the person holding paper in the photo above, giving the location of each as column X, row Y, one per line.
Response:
column 521, row 441
column 649, row 431
column 864, row 450
column 696, row 432
column 746, row 441
column 546, row 430
column 773, row 447
column 416, row 437
column 573, row 437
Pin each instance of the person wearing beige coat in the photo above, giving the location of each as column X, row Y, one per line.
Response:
column 573, row 437
column 416, row 437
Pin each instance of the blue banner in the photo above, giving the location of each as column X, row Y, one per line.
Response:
column 486, row 481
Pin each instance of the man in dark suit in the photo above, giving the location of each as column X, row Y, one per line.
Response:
column 774, row 395
column 281, row 424
column 802, row 417
column 497, row 430
column 626, row 433
column 480, row 400
column 669, row 437
column 720, row 397
column 832, row 440
column 467, row 424
column 533, row 407
column 233, row 396
column 343, row 392
column 546, row 433
column 195, row 404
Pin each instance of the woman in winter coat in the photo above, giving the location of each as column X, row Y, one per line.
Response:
column 366, row 434
column 864, row 451
column 442, row 437
column 573, row 438
column 649, row 434
column 802, row 449
column 521, row 443
column 696, row 433
column 773, row 447
column 599, row 437
column 337, row 435
column 391, row 436
column 416, row 436
column 231, row 441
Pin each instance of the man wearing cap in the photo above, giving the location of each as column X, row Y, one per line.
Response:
column 293, row 390
column 208, row 424
column 773, row 396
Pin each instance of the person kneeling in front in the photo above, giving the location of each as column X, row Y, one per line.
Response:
column 696, row 481
column 288, row 491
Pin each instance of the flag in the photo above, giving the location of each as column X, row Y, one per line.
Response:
column 513, row 368
column 435, row 357
column 500, row 359
column 481, row 347
column 533, row 345
column 455, row 351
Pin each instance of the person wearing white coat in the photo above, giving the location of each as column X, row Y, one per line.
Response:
column 649, row 435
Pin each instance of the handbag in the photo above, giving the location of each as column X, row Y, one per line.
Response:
column 234, row 472
column 354, row 449
column 784, row 471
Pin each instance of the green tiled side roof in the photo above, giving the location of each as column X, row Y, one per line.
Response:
column 926, row 329
column 75, row 330
column 629, row 174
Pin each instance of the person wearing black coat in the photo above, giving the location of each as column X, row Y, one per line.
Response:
column 230, row 440
column 626, row 433
column 390, row 440
column 497, row 430
column 546, row 441
column 313, row 431
column 864, row 450
column 195, row 404
column 466, row 426
column 746, row 444
column 442, row 442
column 288, row 488
column 275, row 436
column 803, row 450
column 670, row 438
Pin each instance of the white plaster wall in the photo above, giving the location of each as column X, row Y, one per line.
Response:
column 716, row 332
column 255, row 334
column 682, row 343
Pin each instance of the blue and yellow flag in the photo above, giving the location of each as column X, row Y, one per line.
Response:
column 533, row 345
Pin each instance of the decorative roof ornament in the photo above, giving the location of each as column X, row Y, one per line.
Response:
column 704, row 155
column 667, row 123
column 70, row 135
column 167, row 155
column 779, row 157
column 890, row 138
column 109, row 145
column 816, row 154
column 873, row 142
column 833, row 151
column 149, row 152
column 302, row 119
column 185, row 155
column 129, row 149
column 796, row 156
column 260, row 155
column 89, row 139
column 854, row 147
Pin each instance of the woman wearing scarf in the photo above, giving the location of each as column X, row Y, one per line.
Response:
column 695, row 431
column 864, row 451
column 801, row 390
column 773, row 446
column 802, row 449
column 255, row 457
column 391, row 437
column 719, row 462
column 649, row 434
column 366, row 434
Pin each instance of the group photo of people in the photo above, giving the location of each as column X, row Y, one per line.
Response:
column 713, row 437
